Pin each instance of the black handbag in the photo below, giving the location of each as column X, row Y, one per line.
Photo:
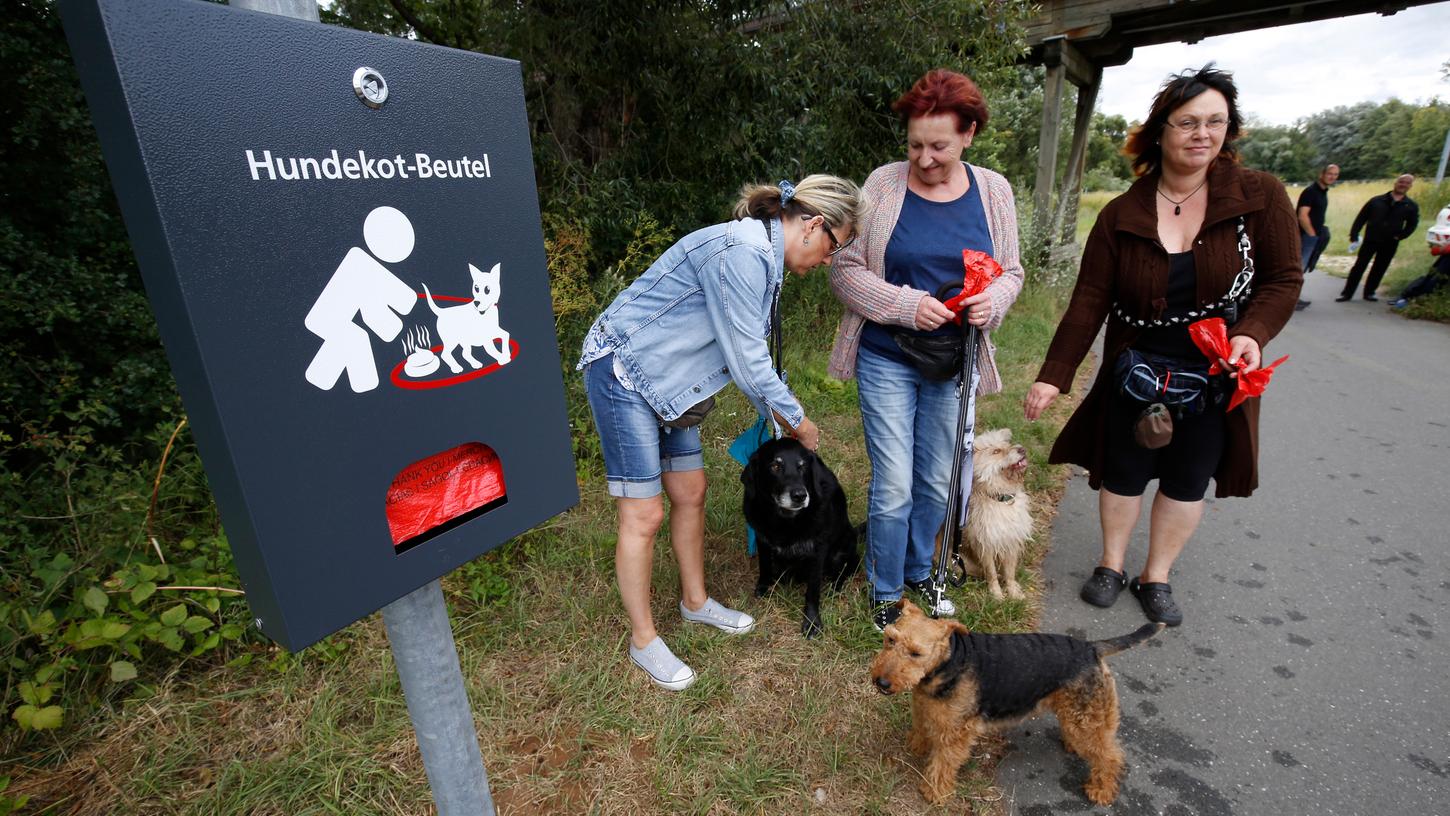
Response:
column 1183, row 386
column 692, row 416
column 1165, row 388
column 937, row 356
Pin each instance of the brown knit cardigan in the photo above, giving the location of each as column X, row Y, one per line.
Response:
column 1123, row 263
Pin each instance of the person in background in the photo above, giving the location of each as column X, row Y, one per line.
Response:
column 694, row 321
column 1160, row 255
column 924, row 212
column 1427, row 284
column 1386, row 220
column 1313, row 232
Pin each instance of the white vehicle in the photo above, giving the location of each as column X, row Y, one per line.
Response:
column 1439, row 234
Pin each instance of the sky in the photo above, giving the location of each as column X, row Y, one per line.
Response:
column 1290, row 72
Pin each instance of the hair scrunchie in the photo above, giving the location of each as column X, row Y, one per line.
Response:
column 787, row 192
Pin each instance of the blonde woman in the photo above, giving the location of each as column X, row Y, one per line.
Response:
column 696, row 320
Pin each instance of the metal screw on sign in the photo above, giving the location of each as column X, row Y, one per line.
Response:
column 370, row 87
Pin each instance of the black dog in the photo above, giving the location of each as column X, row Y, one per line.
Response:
column 798, row 511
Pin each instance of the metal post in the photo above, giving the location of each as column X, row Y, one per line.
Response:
column 423, row 648
column 422, row 642
column 1444, row 154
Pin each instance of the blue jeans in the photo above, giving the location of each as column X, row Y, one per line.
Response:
column 636, row 447
column 909, row 422
column 1310, row 248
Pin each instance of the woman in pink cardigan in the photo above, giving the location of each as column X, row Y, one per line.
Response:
column 926, row 211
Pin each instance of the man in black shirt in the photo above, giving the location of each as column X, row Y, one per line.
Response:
column 1387, row 220
column 1313, row 232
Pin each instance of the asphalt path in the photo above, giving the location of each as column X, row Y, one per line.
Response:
column 1311, row 674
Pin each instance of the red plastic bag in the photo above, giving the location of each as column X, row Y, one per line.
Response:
column 432, row 492
column 981, row 269
column 1211, row 337
column 1253, row 383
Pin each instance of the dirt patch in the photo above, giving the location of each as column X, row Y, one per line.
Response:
column 1336, row 265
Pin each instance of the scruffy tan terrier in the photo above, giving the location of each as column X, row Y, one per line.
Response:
column 999, row 516
column 964, row 684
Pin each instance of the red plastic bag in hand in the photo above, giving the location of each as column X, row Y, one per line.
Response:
column 981, row 269
column 1253, row 383
column 1211, row 337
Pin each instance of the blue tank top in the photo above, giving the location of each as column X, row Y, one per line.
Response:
column 925, row 252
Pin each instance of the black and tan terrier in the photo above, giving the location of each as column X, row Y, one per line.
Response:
column 965, row 684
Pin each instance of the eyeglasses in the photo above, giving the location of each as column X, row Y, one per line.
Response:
column 836, row 245
column 1190, row 125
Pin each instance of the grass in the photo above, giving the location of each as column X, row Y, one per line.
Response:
column 775, row 724
column 1345, row 200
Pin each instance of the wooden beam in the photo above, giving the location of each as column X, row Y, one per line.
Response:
column 1087, row 97
column 1047, row 149
column 1107, row 26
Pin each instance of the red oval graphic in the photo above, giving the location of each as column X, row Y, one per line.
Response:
column 423, row 385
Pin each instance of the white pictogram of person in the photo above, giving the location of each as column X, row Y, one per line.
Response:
column 362, row 285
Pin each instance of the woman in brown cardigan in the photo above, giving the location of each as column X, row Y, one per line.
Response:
column 1166, row 248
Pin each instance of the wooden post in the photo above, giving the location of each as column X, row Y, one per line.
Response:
column 1087, row 97
column 1047, row 148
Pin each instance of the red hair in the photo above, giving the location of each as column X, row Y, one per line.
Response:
column 942, row 91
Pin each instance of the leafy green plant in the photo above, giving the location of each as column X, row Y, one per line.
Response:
column 95, row 604
column 10, row 804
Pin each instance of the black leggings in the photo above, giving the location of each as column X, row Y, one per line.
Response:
column 1182, row 467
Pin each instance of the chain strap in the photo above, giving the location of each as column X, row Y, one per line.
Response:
column 1238, row 291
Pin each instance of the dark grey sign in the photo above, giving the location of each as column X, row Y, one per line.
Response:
column 339, row 234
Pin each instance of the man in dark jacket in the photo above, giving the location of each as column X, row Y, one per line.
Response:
column 1387, row 220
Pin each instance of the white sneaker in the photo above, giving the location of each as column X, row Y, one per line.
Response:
column 664, row 669
column 720, row 617
column 944, row 609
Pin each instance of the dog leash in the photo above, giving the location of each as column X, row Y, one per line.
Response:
column 951, row 568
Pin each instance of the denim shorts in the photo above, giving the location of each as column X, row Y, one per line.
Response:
column 637, row 448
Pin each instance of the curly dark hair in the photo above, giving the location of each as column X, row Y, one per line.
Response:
column 1142, row 146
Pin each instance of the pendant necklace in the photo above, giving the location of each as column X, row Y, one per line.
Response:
column 1178, row 205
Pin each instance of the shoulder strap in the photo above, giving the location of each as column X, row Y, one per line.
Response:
column 1228, row 305
column 775, row 339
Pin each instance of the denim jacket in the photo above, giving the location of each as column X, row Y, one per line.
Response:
column 698, row 318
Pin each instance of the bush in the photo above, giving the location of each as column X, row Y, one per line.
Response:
column 110, row 580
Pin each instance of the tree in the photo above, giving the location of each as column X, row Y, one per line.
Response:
column 1107, row 167
column 670, row 105
column 1337, row 136
column 1283, row 150
column 76, row 332
column 1383, row 150
column 1426, row 139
